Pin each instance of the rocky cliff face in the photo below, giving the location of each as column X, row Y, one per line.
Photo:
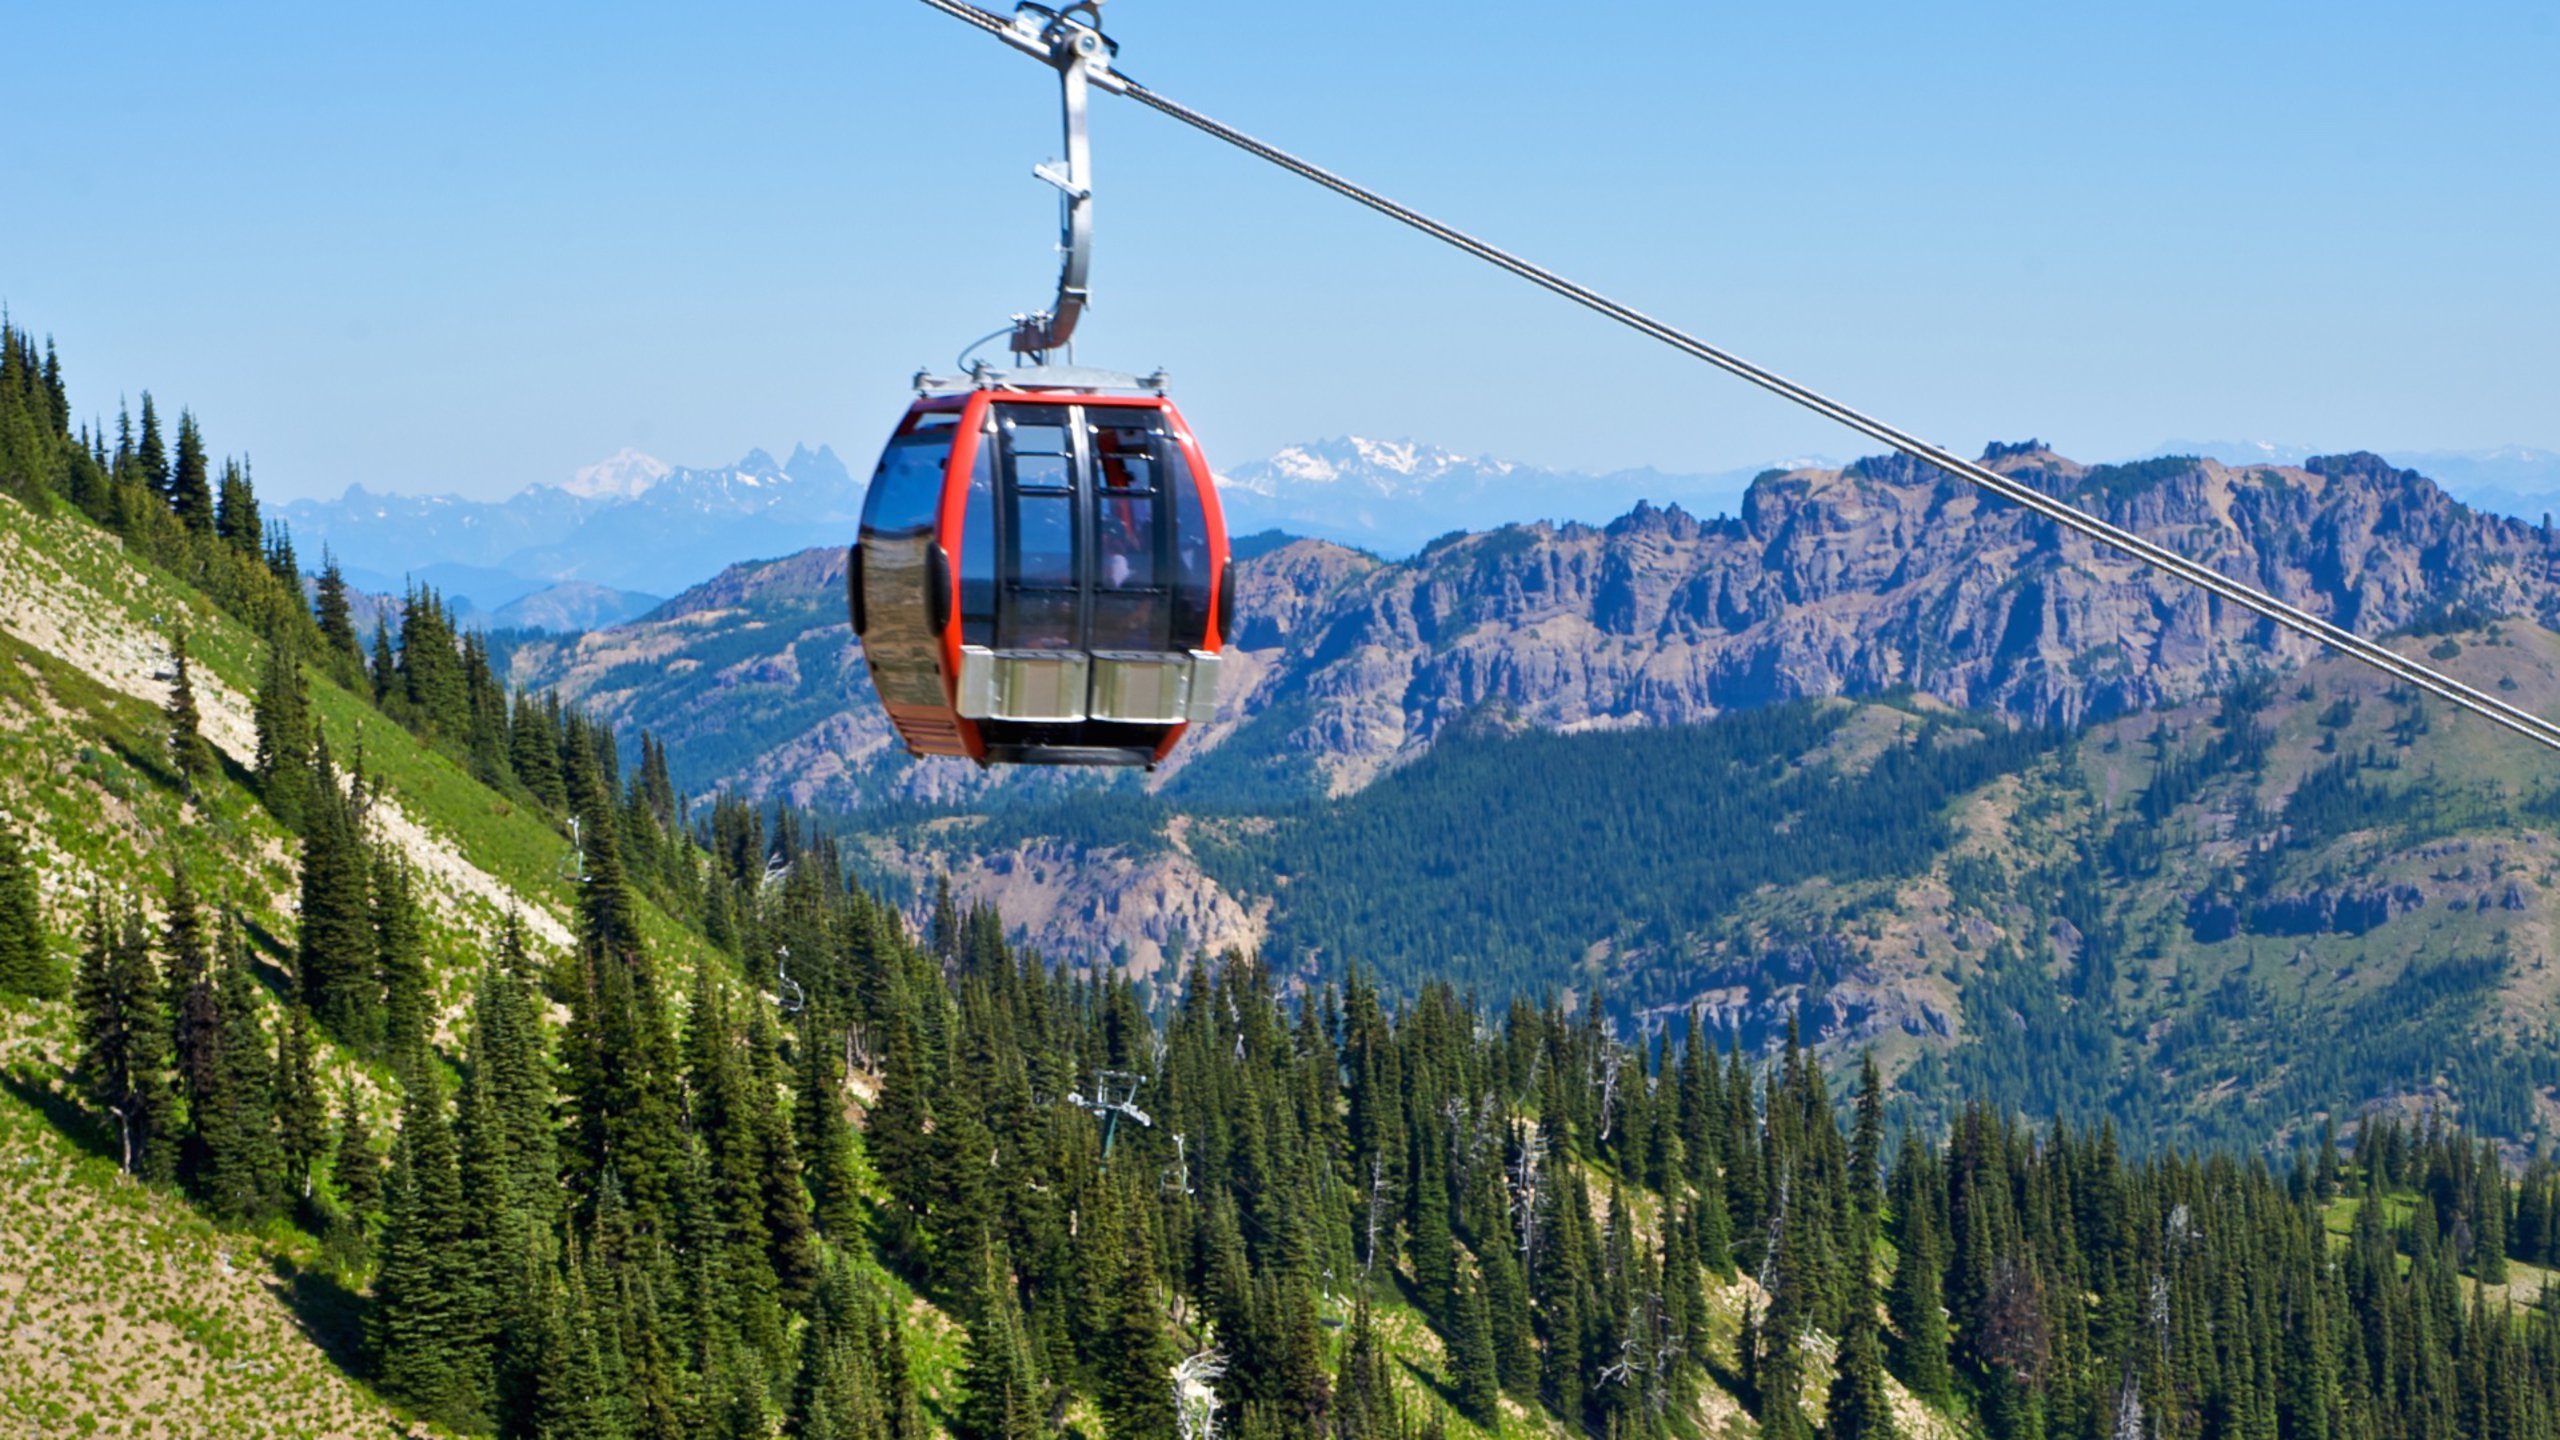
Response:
column 1881, row 576
column 1878, row 577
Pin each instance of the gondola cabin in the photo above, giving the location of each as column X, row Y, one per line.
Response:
column 1042, row 576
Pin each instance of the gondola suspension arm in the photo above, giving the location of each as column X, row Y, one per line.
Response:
column 1027, row 32
column 1082, row 57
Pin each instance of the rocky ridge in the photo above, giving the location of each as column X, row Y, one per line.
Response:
column 1878, row 577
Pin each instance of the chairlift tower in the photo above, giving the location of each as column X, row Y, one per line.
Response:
column 1115, row 1094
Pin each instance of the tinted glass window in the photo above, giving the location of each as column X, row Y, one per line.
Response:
column 1042, row 472
column 1124, row 534
column 906, row 491
column 1125, row 454
column 978, row 550
column 1190, row 552
column 1046, row 536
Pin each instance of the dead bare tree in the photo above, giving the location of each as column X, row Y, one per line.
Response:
column 1195, row 1394
column 1524, row 1190
column 1609, row 1087
column 1377, row 1209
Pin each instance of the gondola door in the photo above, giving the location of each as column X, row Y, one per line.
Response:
column 1041, row 586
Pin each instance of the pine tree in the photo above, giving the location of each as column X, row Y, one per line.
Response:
column 302, row 1118
column 425, row 1291
column 399, row 959
column 1364, row 1387
column 533, row 751
column 189, row 754
column 340, row 650
column 282, row 564
column 124, row 1040
column 335, row 956
column 1859, row 1407
column 354, row 1167
column 622, row 1074
column 385, row 670
column 1778, row 1377
column 1559, row 1279
column 195, row 1023
column 237, row 522
column 825, row 1140
column 790, row 1241
column 1920, row 1325
column 150, row 457
column 282, row 715
column 1471, row 1357
column 1000, row 1390
column 1866, row 1147
column 26, row 965
column 191, row 479
column 242, row 1174
column 837, row 1391
column 1134, row 1356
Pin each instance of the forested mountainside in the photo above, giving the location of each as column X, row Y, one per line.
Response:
column 1872, row 579
column 2142, row 878
column 380, row 1054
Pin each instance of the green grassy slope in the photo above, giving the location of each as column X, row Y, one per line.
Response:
column 125, row 1311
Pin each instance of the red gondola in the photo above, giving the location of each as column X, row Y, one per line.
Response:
column 1042, row 575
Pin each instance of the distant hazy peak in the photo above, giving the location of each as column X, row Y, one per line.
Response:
column 625, row 475
column 1354, row 458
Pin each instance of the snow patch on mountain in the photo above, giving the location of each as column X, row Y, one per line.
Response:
column 625, row 475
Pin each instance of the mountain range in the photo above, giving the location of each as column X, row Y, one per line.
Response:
column 1395, row 496
column 1561, row 755
column 620, row 534
column 604, row 545
column 632, row 528
column 1876, row 577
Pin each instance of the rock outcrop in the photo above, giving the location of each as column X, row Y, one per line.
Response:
column 1882, row 576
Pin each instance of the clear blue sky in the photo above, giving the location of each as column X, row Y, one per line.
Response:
column 471, row 247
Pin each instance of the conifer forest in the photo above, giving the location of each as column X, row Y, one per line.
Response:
column 753, row 1149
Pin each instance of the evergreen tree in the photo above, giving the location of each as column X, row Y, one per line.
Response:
column 189, row 754
column 124, row 1040
column 1000, row 1389
column 385, row 671
column 340, row 650
column 1134, row 1356
column 26, row 965
column 195, row 1016
column 191, row 479
column 1859, row 1407
column 236, row 519
column 1471, row 1356
column 1866, row 1147
column 425, row 1292
column 150, row 457
column 282, row 714
column 837, row 1388
column 825, row 1140
column 242, row 1173
column 790, row 1242
column 620, row 1056
column 1364, row 1386
column 399, row 970
column 302, row 1117
column 1914, row 1300
column 1778, row 1377
column 335, row 959
column 354, row 1167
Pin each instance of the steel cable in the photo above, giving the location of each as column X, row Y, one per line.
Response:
column 2347, row 642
